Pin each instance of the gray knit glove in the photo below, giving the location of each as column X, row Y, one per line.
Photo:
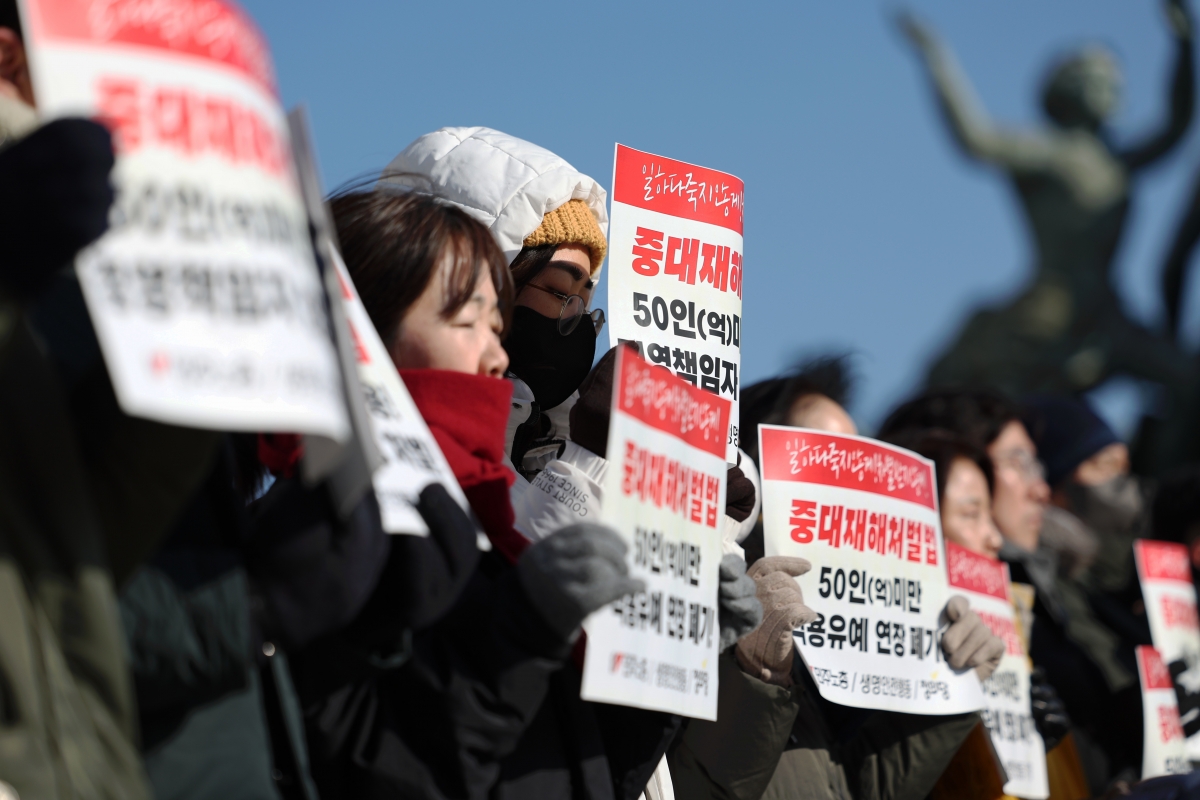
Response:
column 968, row 642
column 739, row 612
column 575, row 571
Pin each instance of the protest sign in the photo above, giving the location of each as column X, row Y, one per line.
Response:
column 865, row 514
column 1006, row 711
column 1164, row 750
column 1165, row 573
column 664, row 492
column 675, row 270
column 204, row 293
column 411, row 457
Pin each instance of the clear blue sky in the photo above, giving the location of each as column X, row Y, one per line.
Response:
column 865, row 230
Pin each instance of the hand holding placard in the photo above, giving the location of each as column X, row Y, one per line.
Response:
column 768, row 652
column 968, row 642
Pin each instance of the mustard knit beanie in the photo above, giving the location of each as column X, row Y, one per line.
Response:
column 571, row 223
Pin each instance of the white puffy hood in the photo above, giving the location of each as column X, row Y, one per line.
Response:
column 506, row 183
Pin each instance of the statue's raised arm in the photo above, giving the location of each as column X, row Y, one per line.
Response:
column 969, row 123
column 1183, row 93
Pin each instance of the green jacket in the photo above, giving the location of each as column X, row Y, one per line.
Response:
column 71, row 508
column 773, row 742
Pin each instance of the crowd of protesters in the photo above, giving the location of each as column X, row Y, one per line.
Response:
column 181, row 616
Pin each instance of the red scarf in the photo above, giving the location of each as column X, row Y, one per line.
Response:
column 467, row 415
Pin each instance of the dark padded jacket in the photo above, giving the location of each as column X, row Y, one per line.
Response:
column 773, row 742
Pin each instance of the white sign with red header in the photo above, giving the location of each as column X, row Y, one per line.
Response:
column 664, row 491
column 865, row 514
column 1007, row 712
column 204, row 294
column 411, row 457
column 675, row 270
column 1165, row 573
column 1164, row 751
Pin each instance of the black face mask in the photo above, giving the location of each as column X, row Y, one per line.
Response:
column 552, row 364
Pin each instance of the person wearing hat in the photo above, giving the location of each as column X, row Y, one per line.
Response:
column 550, row 221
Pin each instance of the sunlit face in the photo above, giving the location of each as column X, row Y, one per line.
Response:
column 967, row 510
column 818, row 412
column 468, row 341
column 568, row 273
column 1021, row 491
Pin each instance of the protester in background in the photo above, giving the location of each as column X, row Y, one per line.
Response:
column 434, row 712
column 964, row 478
column 775, row 736
column 550, row 221
column 1087, row 468
column 1084, row 660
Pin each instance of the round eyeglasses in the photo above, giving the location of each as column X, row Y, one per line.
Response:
column 574, row 308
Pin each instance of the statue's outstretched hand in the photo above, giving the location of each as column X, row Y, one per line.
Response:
column 915, row 30
column 1179, row 18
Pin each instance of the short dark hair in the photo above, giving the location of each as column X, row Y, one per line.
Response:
column 392, row 243
column 943, row 448
column 768, row 402
column 530, row 263
column 977, row 415
column 10, row 17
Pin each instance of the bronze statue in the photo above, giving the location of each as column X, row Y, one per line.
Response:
column 1067, row 331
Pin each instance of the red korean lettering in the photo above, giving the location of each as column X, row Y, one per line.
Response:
column 931, row 551
column 121, row 111
column 912, row 538
column 735, row 273
column 697, row 496
column 895, row 530
column 803, row 520
column 715, row 270
column 683, row 266
column 647, row 252
column 830, row 528
column 629, row 473
column 712, row 493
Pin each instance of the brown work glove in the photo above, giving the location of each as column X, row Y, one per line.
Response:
column 767, row 653
column 969, row 642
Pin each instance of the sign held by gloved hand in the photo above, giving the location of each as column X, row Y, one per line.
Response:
column 664, row 492
column 865, row 514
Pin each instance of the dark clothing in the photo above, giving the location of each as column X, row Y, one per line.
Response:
column 1091, row 668
column 481, row 703
column 773, row 742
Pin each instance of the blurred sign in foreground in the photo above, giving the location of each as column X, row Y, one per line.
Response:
column 204, row 294
column 1164, row 750
column 664, row 492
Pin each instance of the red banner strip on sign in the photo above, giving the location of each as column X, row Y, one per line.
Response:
column 208, row 29
column 1154, row 672
column 805, row 456
column 677, row 188
column 651, row 394
column 976, row 573
column 1163, row 561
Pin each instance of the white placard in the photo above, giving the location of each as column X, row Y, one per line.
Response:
column 1165, row 574
column 664, row 492
column 411, row 457
column 204, row 293
column 1164, row 750
column 865, row 514
column 1007, row 712
column 675, row 270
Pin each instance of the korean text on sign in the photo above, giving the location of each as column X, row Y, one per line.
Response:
column 1164, row 750
column 1006, row 712
column 865, row 514
column 204, row 293
column 1165, row 573
column 675, row 270
column 411, row 457
column 664, row 492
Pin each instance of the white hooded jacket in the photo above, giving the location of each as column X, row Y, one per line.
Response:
column 506, row 183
